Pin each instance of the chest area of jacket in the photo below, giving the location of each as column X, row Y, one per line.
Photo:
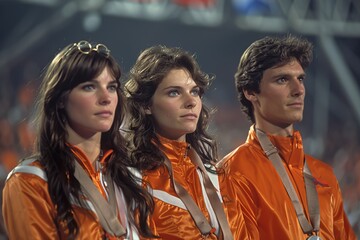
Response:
column 185, row 174
column 270, row 195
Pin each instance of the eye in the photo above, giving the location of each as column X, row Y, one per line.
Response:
column 195, row 91
column 301, row 78
column 88, row 87
column 113, row 87
column 173, row 93
column 281, row 80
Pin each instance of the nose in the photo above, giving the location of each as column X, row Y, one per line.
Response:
column 190, row 101
column 298, row 88
column 104, row 97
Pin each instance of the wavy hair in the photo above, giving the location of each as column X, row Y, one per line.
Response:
column 263, row 54
column 69, row 68
column 152, row 65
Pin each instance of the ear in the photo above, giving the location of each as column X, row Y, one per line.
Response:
column 250, row 95
column 148, row 110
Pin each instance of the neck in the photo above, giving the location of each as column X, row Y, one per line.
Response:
column 89, row 145
column 275, row 130
column 178, row 139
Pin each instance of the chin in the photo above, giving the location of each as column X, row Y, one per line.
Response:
column 299, row 119
column 296, row 118
column 190, row 130
column 104, row 129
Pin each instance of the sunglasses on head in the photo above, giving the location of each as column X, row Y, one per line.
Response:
column 86, row 48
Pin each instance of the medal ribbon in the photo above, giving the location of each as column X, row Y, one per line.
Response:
column 311, row 194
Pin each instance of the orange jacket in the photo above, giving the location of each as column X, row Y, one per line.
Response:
column 252, row 184
column 171, row 220
column 29, row 212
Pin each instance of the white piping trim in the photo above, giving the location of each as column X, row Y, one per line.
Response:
column 130, row 229
column 24, row 167
column 213, row 219
column 215, row 181
column 85, row 204
column 167, row 198
column 28, row 169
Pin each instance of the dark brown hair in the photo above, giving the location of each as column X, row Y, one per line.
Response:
column 69, row 68
column 151, row 67
column 263, row 54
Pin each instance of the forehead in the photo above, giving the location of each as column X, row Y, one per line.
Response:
column 177, row 77
column 289, row 67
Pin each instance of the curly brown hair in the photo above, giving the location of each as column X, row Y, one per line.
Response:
column 151, row 67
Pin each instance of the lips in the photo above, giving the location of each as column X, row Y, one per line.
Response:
column 104, row 113
column 296, row 105
column 190, row 116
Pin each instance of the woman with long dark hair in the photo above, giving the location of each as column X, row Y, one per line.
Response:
column 77, row 183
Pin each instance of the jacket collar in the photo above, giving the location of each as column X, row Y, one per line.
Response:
column 176, row 151
column 290, row 148
column 85, row 162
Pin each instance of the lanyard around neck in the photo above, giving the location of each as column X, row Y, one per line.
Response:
column 106, row 211
column 311, row 194
column 195, row 212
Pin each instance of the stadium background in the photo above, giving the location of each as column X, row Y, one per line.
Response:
column 217, row 32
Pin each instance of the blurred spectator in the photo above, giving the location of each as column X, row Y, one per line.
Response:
column 20, row 117
column 8, row 159
column 8, row 154
column 195, row 3
column 255, row 7
column 16, row 135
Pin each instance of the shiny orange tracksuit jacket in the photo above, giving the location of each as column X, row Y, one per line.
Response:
column 171, row 220
column 251, row 184
column 29, row 212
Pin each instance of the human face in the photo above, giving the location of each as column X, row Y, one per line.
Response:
column 176, row 105
column 280, row 102
column 90, row 106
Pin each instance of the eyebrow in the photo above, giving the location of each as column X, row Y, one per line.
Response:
column 287, row 74
column 113, row 81
column 179, row 87
column 97, row 81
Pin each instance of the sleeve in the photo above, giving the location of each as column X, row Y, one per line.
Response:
column 241, row 218
column 28, row 211
column 342, row 227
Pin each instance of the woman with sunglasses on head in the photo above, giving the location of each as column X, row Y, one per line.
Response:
column 77, row 184
column 171, row 147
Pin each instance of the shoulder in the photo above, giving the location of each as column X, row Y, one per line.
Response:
column 321, row 171
column 26, row 181
column 242, row 157
column 29, row 168
column 316, row 163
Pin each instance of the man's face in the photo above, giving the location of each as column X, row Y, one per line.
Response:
column 280, row 102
